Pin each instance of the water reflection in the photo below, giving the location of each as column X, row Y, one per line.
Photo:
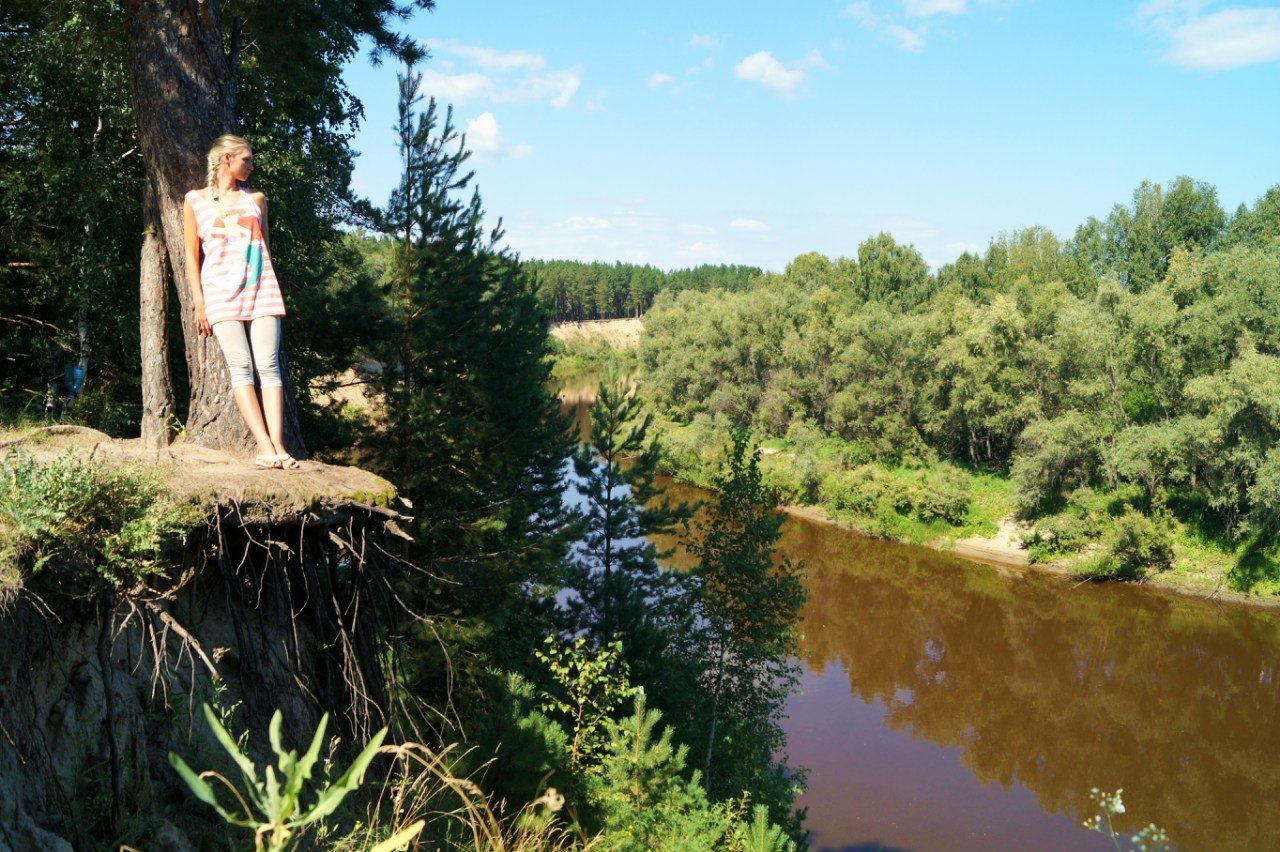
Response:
column 1055, row 688
column 575, row 401
column 950, row 705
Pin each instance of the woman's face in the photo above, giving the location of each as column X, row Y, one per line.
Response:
column 239, row 163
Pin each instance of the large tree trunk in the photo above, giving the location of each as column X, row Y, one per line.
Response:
column 153, row 297
column 183, row 98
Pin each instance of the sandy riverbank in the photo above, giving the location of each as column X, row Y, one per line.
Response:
column 619, row 333
column 1004, row 550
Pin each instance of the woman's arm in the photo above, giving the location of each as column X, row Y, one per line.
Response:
column 260, row 199
column 191, row 243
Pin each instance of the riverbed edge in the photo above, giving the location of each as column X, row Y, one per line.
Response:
column 1017, row 559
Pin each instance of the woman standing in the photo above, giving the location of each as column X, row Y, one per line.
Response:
column 235, row 292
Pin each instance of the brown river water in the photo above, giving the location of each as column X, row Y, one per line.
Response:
column 950, row 705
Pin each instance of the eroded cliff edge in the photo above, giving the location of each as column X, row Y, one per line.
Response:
column 280, row 595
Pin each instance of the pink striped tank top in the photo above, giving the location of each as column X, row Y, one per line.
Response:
column 236, row 275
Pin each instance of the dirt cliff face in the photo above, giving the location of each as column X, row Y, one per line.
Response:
column 262, row 608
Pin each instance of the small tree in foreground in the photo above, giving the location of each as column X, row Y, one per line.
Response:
column 751, row 606
column 621, row 590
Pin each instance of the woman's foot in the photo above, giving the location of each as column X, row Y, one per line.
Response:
column 267, row 462
column 286, row 461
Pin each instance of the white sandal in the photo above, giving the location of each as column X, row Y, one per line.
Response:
column 267, row 462
column 287, row 462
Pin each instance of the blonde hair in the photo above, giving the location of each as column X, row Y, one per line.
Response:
column 225, row 144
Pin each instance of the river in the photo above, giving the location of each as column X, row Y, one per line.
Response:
column 952, row 705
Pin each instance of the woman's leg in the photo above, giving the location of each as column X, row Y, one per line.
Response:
column 265, row 334
column 235, row 348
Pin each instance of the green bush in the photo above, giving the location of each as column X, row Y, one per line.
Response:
column 1138, row 543
column 861, row 491
column 689, row 452
column 1080, row 523
column 84, row 514
column 782, row 479
column 942, row 494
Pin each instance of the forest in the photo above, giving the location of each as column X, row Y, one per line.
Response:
column 1115, row 390
column 547, row 685
column 579, row 291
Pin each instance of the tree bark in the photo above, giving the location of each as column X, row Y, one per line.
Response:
column 153, row 297
column 182, row 88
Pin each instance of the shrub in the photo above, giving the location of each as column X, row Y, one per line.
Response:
column 943, row 494
column 1138, row 543
column 861, row 490
column 870, row 491
column 689, row 452
column 1079, row 524
column 82, row 514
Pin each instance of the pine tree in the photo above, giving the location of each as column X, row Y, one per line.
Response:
column 620, row 589
column 472, row 434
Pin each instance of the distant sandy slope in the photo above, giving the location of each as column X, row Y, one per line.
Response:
column 621, row 333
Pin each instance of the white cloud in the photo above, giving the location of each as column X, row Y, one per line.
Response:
column 706, row 42
column 908, row 40
column 484, row 136
column 587, row 223
column 505, row 77
column 957, row 249
column 657, row 79
column 925, row 8
column 559, row 85
column 487, row 57
column 1231, row 38
column 1164, row 10
column 907, row 229
column 701, row 252
column 815, row 59
column 764, row 69
column 624, row 231
column 484, row 140
column 457, row 88
column 861, row 12
column 748, row 225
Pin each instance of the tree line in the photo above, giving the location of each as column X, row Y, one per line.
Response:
column 1122, row 377
column 579, row 291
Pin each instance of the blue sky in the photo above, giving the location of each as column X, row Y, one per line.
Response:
column 678, row 133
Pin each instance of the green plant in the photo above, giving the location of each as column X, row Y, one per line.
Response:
column 592, row 684
column 277, row 813
column 84, row 513
column 1137, row 543
column 1148, row 838
column 941, row 494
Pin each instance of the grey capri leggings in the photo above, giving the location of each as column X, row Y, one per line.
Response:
column 264, row 335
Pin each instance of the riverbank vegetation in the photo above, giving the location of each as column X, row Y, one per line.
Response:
column 580, row 358
column 1114, row 390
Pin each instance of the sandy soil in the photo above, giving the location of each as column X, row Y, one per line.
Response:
column 1003, row 548
column 351, row 386
column 619, row 333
